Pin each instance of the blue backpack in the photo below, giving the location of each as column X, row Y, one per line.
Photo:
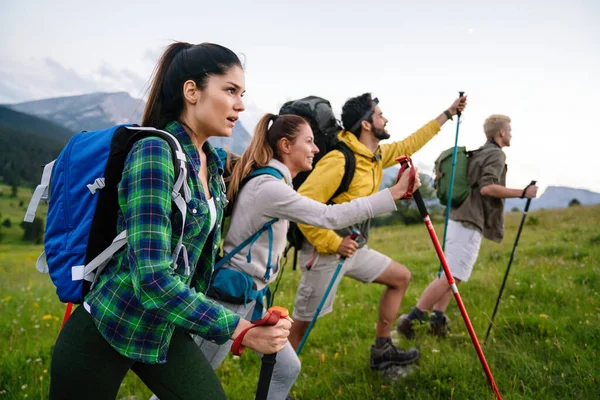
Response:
column 236, row 287
column 81, row 228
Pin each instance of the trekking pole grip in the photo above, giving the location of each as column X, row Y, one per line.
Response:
column 528, row 200
column 405, row 163
column 460, row 94
column 420, row 203
column 272, row 317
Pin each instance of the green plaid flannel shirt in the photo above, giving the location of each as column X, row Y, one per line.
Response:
column 140, row 298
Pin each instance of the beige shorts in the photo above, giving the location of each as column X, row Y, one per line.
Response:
column 462, row 248
column 366, row 265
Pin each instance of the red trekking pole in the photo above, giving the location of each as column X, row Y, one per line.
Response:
column 272, row 317
column 406, row 163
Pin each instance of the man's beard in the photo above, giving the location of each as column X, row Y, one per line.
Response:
column 380, row 134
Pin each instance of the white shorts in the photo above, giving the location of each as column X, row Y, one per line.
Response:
column 366, row 265
column 462, row 248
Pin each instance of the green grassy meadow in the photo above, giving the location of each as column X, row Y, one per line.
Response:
column 544, row 346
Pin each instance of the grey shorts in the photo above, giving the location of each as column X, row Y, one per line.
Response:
column 462, row 248
column 366, row 265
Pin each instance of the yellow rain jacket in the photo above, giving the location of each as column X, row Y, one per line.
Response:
column 327, row 176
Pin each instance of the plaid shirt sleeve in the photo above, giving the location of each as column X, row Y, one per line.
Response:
column 150, row 178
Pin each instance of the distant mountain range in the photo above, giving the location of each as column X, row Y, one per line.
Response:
column 555, row 197
column 94, row 111
column 34, row 132
column 86, row 112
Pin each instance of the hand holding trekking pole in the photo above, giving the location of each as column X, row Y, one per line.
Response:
column 267, row 335
column 459, row 105
column 530, row 191
column 405, row 164
column 407, row 183
column 348, row 247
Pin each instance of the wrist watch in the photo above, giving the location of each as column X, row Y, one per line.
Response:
column 448, row 115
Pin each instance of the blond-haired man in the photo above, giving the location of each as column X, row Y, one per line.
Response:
column 481, row 215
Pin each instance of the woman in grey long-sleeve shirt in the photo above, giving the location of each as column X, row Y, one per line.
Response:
column 285, row 143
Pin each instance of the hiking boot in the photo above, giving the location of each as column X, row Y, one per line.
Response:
column 439, row 325
column 388, row 355
column 405, row 327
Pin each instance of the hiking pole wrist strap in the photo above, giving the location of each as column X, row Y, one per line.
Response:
column 406, row 163
column 524, row 190
column 527, row 187
column 272, row 317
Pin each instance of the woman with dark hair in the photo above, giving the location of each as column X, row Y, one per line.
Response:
column 150, row 297
column 284, row 143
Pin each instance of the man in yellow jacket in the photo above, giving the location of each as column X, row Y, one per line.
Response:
column 364, row 127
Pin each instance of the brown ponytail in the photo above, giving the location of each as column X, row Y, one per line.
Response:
column 263, row 147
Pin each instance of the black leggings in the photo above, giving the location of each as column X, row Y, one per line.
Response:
column 85, row 366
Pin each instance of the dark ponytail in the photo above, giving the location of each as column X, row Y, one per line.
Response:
column 179, row 63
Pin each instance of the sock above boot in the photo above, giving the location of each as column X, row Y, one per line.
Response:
column 415, row 313
column 438, row 316
column 382, row 341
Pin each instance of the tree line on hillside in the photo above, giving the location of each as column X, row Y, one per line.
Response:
column 23, row 156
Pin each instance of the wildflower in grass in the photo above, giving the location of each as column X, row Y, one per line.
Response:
column 336, row 355
column 543, row 316
column 24, row 387
column 47, row 317
column 7, row 299
column 323, row 357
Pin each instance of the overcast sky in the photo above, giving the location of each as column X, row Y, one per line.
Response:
column 537, row 63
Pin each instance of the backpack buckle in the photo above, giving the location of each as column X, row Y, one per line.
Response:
column 98, row 184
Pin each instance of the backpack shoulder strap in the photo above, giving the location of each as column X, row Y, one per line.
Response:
column 251, row 239
column 264, row 171
column 266, row 227
column 349, row 169
column 181, row 194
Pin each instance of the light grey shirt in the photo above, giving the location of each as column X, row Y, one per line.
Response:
column 266, row 197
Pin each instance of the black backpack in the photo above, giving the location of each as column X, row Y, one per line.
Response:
column 317, row 111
